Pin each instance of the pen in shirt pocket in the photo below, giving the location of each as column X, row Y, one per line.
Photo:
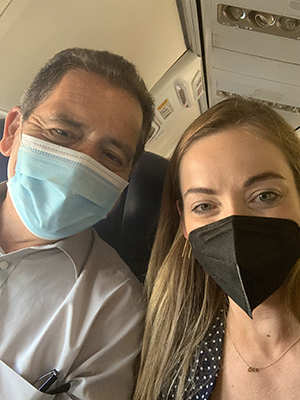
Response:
column 44, row 383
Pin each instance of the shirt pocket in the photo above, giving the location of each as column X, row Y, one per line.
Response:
column 13, row 386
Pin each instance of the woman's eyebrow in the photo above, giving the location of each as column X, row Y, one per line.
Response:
column 203, row 190
column 250, row 181
column 262, row 177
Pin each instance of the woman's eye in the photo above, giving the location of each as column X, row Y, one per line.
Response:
column 267, row 196
column 266, row 199
column 203, row 207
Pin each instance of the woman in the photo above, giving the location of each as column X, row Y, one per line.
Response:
column 223, row 281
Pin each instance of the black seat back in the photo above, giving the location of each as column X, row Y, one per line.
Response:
column 3, row 159
column 130, row 228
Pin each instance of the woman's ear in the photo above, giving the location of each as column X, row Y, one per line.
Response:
column 182, row 220
column 11, row 127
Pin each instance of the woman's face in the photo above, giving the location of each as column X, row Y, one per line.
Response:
column 235, row 173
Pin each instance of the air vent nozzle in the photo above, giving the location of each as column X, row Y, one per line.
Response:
column 255, row 20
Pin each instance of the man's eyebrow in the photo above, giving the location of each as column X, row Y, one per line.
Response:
column 262, row 177
column 196, row 190
column 67, row 120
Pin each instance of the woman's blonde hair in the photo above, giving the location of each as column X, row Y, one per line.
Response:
column 183, row 300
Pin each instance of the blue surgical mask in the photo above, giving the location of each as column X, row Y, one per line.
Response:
column 58, row 192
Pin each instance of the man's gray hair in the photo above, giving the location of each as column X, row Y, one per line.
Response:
column 114, row 68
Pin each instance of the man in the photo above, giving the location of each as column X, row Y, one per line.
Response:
column 71, row 311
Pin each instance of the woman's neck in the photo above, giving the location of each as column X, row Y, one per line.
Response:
column 272, row 328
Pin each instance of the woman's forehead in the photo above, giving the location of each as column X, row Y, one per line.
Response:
column 231, row 149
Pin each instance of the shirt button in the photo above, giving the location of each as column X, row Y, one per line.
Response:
column 4, row 265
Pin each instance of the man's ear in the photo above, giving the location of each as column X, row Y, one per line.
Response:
column 182, row 220
column 11, row 127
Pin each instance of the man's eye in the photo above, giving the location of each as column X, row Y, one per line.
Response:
column 112, row 157
column 60, row 132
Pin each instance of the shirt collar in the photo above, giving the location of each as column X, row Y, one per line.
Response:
column 76, row 247
column 3, row 190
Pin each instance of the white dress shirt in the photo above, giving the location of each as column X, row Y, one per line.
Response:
column 73, row 306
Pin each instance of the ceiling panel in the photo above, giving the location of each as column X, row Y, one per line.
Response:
column 147, row 33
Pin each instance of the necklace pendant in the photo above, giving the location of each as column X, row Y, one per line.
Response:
column 252, row 369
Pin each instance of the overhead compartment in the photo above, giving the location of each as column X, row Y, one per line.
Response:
column 252, row 49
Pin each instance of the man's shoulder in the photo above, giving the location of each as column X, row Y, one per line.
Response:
column 106, row 261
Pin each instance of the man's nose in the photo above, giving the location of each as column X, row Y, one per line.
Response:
column 90, row 149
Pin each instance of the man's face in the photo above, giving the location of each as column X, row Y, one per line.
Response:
column 87, row 114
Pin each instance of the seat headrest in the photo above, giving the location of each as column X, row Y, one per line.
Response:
column 3, row 159
column 130, row 228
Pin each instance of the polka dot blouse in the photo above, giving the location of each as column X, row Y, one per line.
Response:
column 204, row 372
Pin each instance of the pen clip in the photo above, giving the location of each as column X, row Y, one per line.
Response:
column 46, row 381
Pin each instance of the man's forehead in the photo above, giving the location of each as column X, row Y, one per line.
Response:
column 88, row 86
column 89, row 81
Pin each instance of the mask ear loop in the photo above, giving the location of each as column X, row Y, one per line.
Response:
column 20, row 139
column 189, row 251
column 20, row 130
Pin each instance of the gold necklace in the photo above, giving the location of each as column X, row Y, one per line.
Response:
column 257, row 369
